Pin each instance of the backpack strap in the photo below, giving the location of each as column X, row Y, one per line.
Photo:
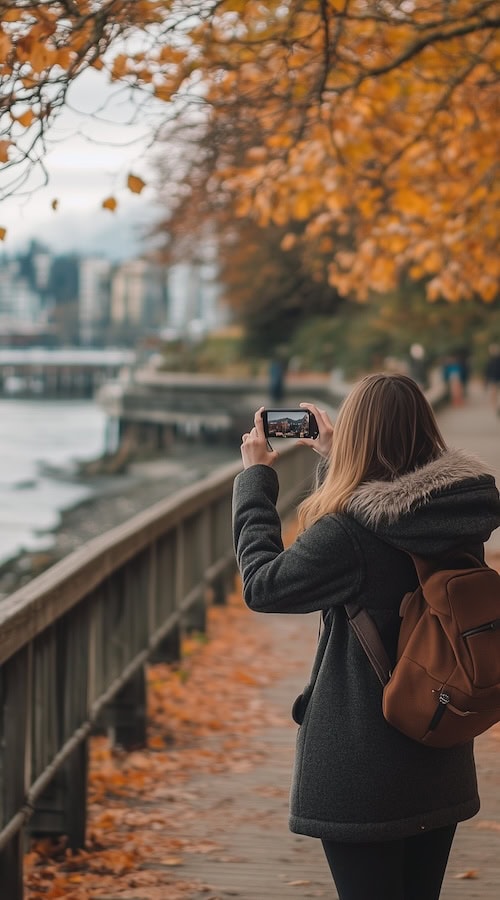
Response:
column 368, row 636
column 457, row 558
column 367, row 632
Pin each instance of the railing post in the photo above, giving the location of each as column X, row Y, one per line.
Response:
column 126, row 714
column 219, row 595
column 195, row 617
column 62, row 682
column 14, row 762
column 11, row 868
column 62, row 808
column 76, row 773
column 168, row 650
column 223, row 585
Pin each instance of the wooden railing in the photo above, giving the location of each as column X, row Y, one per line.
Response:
column 75, row 640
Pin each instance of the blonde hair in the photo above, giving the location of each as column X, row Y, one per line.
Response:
column 385, row 427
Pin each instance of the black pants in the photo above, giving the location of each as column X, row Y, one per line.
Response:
column 408, row 869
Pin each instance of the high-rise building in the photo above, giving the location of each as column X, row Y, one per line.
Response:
column 20, row 305
column 94, row 300
column 194, row 306
column 138, row 299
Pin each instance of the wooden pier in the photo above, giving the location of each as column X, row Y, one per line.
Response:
column 60, row 373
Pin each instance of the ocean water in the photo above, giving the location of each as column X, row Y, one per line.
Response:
column 37, row 436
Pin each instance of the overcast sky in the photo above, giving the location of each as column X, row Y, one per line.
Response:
column 88, row 160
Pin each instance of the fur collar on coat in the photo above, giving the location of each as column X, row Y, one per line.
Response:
column 376, row 502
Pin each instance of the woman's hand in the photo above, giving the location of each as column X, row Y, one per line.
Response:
column 255, row 449
column 323, row 443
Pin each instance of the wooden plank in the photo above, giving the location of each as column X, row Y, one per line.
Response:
column 165, row 588
column 46, row 711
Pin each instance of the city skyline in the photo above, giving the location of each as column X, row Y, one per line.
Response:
column 89, row 300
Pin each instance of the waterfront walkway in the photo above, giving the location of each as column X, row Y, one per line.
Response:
column 232, row 831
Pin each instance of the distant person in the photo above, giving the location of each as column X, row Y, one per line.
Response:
column 463, row 359
column 492, row 375
column 453, row 377
column 418, row 365
column 277, row 371
column 384, row 806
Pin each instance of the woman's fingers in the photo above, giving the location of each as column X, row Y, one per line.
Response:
column 322, row 444
column 320, row 415
column 323, row 420
column 255, row 448
column 259, row 422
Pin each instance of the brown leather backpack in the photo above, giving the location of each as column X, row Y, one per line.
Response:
column 444, row 689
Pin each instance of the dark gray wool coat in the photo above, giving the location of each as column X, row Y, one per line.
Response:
column 356, row 778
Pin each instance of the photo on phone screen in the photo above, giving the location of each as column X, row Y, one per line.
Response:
column 289, row 423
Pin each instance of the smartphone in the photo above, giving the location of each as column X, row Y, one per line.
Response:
column 289, row 423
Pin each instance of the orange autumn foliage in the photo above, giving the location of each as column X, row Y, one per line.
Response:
column 375, row 126
column 377, row 129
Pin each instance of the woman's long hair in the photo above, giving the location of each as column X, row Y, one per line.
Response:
column 385, row 427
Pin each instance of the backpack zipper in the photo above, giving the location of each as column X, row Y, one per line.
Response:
column 444, row 699
column 488, row 626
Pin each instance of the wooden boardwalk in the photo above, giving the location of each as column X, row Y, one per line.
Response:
column 228, row 815
column 247, row 812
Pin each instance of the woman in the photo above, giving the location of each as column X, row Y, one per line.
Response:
column 384, row 806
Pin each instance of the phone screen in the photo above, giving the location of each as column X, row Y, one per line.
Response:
column 289, row 423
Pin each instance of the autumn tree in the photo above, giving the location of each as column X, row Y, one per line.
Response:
column 361, row 337
column 373, row 124
column 373, row 127
column 270, row 291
